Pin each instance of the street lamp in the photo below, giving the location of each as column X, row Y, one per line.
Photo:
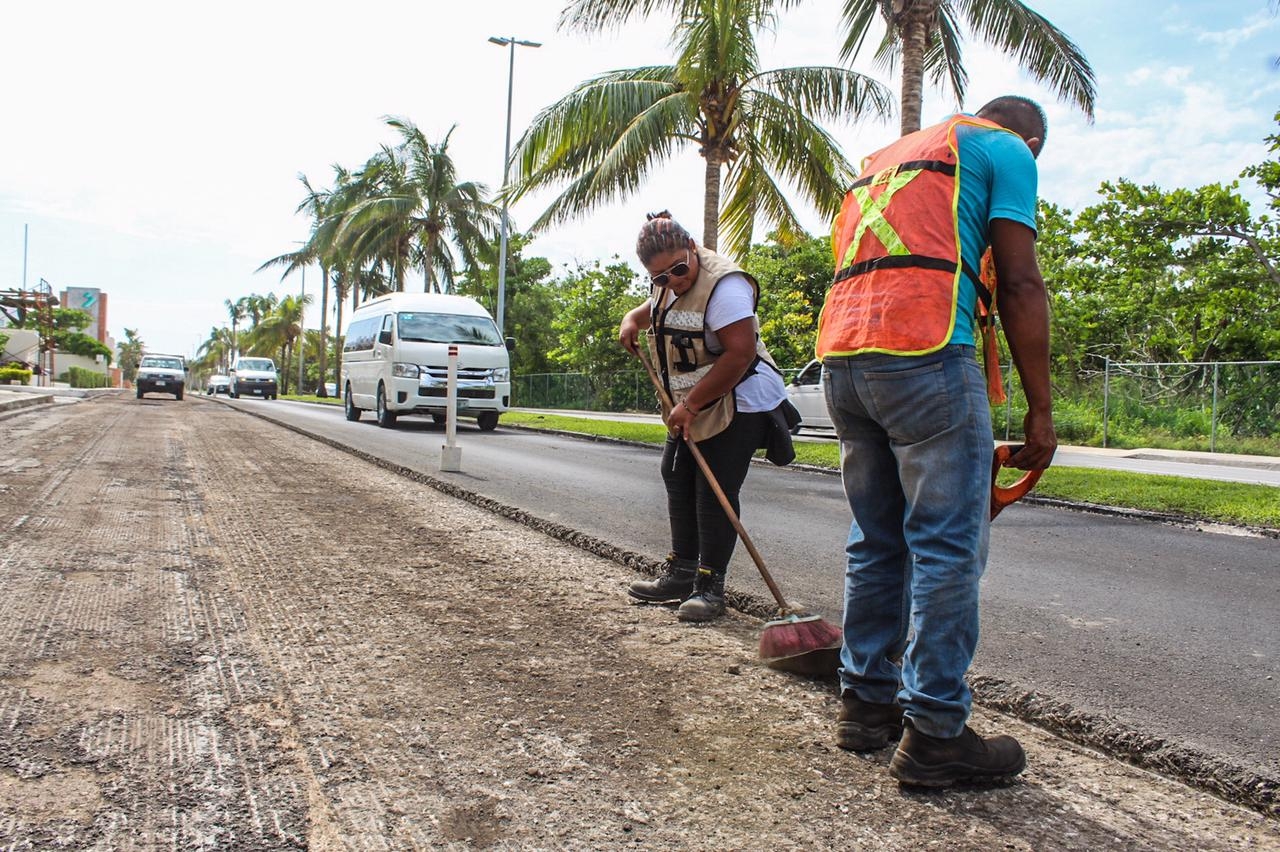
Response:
column 511, row 41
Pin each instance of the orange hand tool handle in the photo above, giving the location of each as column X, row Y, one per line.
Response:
column 1002, row 496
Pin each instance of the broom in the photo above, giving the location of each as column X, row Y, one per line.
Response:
column 801, row 644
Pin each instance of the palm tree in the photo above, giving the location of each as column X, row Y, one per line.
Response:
column 415, row 212
column 217, row 351
column 926, row 35
column 278, row 331
column 236, row 311
column 755, row 126
column 130, row 354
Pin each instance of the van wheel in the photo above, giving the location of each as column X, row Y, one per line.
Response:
column 139, row 393
column 178, row 396
column 440, row 419
column 353, row 413
column 386, row 417
column 487, row 421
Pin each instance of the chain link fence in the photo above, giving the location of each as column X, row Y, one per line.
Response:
column 1214, row 406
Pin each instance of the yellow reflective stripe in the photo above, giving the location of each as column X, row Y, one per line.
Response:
column 873, row 216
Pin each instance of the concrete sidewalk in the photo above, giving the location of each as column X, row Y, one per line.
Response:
column 17, row 398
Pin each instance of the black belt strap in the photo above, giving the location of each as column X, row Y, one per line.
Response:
column 941, row 166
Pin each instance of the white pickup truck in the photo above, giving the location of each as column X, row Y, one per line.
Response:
column 161, row 374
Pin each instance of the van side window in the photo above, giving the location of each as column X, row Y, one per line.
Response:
column 361, row 334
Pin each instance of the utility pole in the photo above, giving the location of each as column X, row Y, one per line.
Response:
column 511, row 42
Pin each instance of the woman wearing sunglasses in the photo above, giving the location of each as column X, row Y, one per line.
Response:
column 702, row 329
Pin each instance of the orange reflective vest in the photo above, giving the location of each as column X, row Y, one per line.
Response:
column 897, row 250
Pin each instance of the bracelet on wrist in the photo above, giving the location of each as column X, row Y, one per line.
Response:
column 689, row 408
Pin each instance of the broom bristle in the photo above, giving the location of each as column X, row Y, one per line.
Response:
column 809, row 646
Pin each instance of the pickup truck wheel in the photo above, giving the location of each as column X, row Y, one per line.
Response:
column 440, row 419
column 386, row 417
column 178, row 396
column 353, row 413
column 139, row 393
column 487, row 421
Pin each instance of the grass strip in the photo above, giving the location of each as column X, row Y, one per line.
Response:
column 1225, row 502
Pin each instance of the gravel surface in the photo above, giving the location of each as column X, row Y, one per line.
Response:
column 216, row 634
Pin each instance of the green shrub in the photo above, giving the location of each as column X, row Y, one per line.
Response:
column 10, row 373
column 79, row 377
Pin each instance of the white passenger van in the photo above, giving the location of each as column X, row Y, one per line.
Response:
column 395, row 359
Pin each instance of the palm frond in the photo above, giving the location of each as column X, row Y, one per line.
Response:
column 1044, row 51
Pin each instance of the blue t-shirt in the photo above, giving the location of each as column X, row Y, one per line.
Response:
column 997, row 181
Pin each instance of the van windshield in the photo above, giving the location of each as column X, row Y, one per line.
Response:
column 259, row 364
column 448, row 328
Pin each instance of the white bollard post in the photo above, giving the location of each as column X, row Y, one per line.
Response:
column 451, row 453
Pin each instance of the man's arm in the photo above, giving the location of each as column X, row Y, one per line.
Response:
column 1023, row 304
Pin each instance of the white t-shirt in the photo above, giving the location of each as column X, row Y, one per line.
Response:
column 733, row 300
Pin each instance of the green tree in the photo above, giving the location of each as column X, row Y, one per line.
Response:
column 794, row 276
column 926, row 37
column 756, row 128
column 130, row 354
column 593, row 299
column 64, row 329
column 532, row 300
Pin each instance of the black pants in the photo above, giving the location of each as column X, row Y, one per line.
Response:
column 700, row 529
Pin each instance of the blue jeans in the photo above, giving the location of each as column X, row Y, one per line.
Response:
column 915, row 458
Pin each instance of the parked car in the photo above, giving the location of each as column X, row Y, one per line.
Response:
column 218, row 384
column 255, row 377
column 806, row 394
column 161, row 374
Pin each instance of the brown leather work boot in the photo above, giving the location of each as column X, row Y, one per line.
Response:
column 674, row 584
column 865, row 725
column 925, row 761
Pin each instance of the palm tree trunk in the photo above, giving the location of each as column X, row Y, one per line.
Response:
column 916, row 19
column 324, row 327
column 337, row 350
column 711, row 202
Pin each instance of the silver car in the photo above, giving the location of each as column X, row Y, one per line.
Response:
column 806, row 394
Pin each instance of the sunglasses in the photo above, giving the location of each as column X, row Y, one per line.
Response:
column 678, row 271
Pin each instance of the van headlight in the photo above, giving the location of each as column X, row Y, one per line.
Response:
column 502, row 374
column 404, row 371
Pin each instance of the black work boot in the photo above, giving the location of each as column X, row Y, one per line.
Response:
column 707, row 600
column 865, row 725
column 674, row 584
column 925, row 761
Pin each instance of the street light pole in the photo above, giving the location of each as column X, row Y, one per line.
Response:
column 511, row 42
column 302, row 335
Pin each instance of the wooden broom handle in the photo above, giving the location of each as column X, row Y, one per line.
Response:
column 715, row 486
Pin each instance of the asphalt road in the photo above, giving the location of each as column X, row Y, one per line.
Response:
column 1171, row 631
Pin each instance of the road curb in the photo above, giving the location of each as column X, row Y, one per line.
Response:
column 1192, row 767
column 12, row 407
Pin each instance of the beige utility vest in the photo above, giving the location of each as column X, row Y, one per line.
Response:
column 677, row 337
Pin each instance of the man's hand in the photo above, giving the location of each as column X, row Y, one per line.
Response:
column 1039, row 443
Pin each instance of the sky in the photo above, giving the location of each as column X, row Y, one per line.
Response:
column 152, row 149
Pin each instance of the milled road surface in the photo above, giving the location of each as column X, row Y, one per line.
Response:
column 215, row 634
column 1166, row 637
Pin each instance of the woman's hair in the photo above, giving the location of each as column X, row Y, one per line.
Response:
column 660, row 233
